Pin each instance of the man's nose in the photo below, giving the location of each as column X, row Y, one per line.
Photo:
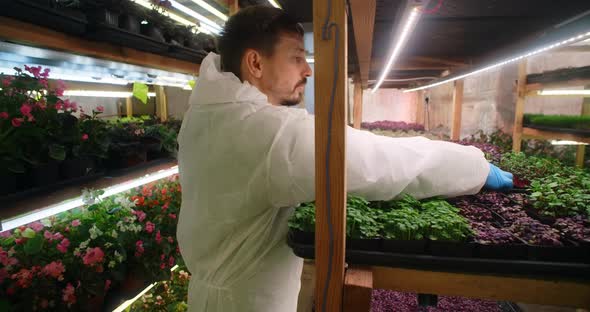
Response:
column 307, row 72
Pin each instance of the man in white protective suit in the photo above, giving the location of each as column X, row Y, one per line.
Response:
column 246, row 159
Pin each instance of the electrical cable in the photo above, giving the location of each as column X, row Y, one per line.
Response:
column 326, row 36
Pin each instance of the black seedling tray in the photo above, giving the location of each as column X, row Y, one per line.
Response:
column 500, row 261
column 582, row 132
column 120, row 36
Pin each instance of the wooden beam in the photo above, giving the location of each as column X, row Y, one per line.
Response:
column 519, row 109
column 20, row 32
column 233, row 7
column 161, row 103
column 553, row 135
column 581, row 152
column 358, row 289
column 420, row 108
column 357, row 109
column 330, row 54
column 546, row 291
column 439, row 60
column 129, row 106
column 457, row 108
column 363, row 20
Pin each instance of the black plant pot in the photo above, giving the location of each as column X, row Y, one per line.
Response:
column 364, row 244
column 46, row 174
column 405, row 246
column 511, row 252
column 452, row 249
column 130, row 23
column 42, row 12
column 104, row 17
column 152, row 32
column 559, row 253
column 125, row 155
column 300, row 237
column 74, row 168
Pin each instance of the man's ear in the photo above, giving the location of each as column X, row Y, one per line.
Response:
column 253, row 63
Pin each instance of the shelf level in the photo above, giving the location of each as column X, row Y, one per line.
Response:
column 532, row 88
column 25, row 33
column 553, row 135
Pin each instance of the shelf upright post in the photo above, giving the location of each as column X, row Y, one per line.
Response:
column 519, row 110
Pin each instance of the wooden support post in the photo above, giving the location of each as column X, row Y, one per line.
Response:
column 358, row 289
column 161, row 103
column 129, row 106
column 233, row 7
column 519, row 110
column 581, row 152
column 358, row 104
column 518, row 289
column 457, row 108
column 330, row 54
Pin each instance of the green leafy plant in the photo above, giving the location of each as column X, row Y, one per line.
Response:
column 562, row 194
column 558, row 121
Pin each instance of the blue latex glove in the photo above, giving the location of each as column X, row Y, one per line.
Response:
column 498, row 179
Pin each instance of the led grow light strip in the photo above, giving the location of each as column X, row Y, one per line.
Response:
column 207, row 23
column 274, row 4
column 565, row 142
column 310, row 60
column 72, row 77
column 108, row 94
column 77, row 202
column 531, row 53
column 564, row 92
column 211, row 9
column 147, row 4
column 408, row 26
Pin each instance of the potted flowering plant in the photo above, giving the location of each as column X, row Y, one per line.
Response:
column 31, row 124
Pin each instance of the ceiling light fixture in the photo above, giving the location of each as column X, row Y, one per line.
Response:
column 107, row 94
column 77, row 202
column 399, row 43
column 205, row 22
column 564, row 92
column 147, row 4
column 211, row 9
column 564, row 142
column 506, row 61
column 275, row 4
column 310, row 60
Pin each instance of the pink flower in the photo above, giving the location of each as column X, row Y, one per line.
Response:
column 7, row 81
column 107, row 285
column 26, row 109
column 5, row 234
column 171, row 261
column 139, row 214
column 36, row 226
column 48, row 236
column 54, row 269
column 24, row 278
column 149, row 227
column 4, row 115
column 172, row 216
column 84, row 137
column 76, row 223
column 93, row 256
column 63, row 245
column 16, row 122
column 59, row 105
column 170, row 239
column 165, row 206
column 162, row 265
column 6, row 259
column 158, row 237
column 100, row 109
column 59, row 90
column 36, row 71
column 69, row 295
column 139, row 248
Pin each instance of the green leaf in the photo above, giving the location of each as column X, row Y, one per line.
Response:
column 34, row 245
column 28, row 233
column 140, row 92
column 57, row 152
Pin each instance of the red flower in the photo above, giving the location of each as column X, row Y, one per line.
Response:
column 162, row 265
column 138, row 200
column 10, row 291
column 76, row 223
column 26, row 109
column 107, row 285
column 84, row 137
column 172, row 216
column 139, row 248
column 100, row 109
column 23, row 277
column 63, row 245
column 146, row 191
column 16, row 122
column 149, row 227
column 4, row 115
column 69, row 295
column 165, row 206
column 93, row 256
column 164, row 191
column 171, row 261
column 158, row 237
column 54, row 269
column 61, row 86
column 170, row 239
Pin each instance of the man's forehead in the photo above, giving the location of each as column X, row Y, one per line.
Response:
column 292, row 42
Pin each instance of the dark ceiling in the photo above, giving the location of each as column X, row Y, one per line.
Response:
column 457, row 34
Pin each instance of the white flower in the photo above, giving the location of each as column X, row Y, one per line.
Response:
column 118, row 256
column 112, row 264
column 114, row 234
column 46, row 222
column 108, row 245
column 84, row 244
column 125, row 202
column 94, row 232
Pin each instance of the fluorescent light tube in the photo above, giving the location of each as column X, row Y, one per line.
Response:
column 506, row 61
column 211, row 9
column 564, row 92
column 206, row 23
column 147, row 4
column 274, row 4
column 400, row 41
column 77, row 202
column 107, row 94
column 310, row 60
column 565, row 142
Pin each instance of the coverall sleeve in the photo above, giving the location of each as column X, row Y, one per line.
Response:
column 378, row 167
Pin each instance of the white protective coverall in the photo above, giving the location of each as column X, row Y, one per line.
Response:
column 245, row 163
